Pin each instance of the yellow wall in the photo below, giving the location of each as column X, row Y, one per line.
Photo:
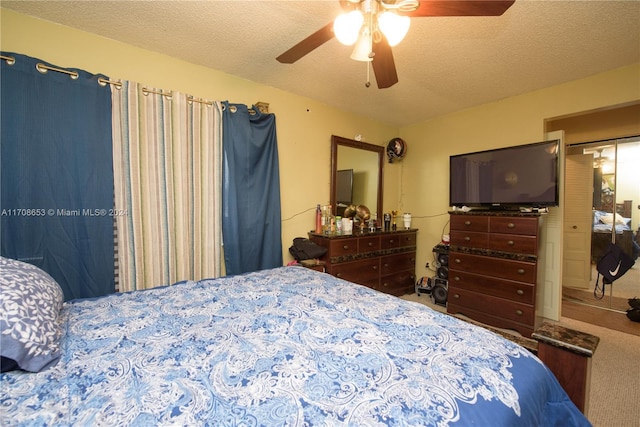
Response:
column 424, row 185
column 599, row 125
column 304, row 126
column 418, row 184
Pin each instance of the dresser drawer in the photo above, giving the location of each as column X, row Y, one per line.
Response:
column 398, row 284
column 499, row 307
column 520, row 271
column 513, row 243
column 368, row 244
column 514, row 225
column 507, row 289
column 342, row 247
column 390, row 264
column 469, row 223
column 390, row 241
column 407, row 239
column 469, row 239
column 357, row 271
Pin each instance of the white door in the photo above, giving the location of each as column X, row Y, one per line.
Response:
column 578, row 201
column 549, row 287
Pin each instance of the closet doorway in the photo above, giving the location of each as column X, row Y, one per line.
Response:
column 604, row 177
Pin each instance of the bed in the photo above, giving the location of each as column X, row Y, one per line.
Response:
column 283, row 347
column 603, row 225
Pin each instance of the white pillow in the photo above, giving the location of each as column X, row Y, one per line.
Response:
column 620, row 220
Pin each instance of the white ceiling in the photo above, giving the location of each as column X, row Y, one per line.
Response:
column 444, row 64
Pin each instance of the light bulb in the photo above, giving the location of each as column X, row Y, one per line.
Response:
column 346, row 27
column 393, row 26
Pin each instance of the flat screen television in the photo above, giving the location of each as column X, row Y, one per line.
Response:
column 344, row 186
column 523, row 176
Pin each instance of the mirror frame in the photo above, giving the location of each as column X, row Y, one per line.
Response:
column 337, row 141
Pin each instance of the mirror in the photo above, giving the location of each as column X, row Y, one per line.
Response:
column 356, row 175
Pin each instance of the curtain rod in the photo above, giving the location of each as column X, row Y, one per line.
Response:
column 10, row 60
column 263, row 107
column 43, row 68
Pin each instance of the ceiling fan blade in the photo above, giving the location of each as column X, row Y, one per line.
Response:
column 461, row 8
column 383, row 65
column 316, row 39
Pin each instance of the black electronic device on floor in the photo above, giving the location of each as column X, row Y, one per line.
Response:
column 439, row 290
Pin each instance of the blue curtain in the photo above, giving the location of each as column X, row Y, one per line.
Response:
column 57, row 176
column 251, row 226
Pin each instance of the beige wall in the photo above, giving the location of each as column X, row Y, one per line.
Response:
column 602, row 124
column 304, row 126
column 418, row 184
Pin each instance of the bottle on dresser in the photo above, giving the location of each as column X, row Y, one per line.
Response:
column 318, row 219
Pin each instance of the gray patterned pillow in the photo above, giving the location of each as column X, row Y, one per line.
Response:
column 30, row 301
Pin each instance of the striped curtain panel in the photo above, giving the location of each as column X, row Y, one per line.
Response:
column 167, row 154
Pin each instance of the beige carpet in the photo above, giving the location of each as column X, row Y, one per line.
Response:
column 615, row 372
column 615, row 376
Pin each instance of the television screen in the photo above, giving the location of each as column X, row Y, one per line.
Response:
column 344, row 186
column 513, row 177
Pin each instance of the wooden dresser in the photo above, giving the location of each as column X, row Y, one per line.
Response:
column 493, row 268
column 382, row 260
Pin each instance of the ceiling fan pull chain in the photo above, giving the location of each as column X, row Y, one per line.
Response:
column 368, row 83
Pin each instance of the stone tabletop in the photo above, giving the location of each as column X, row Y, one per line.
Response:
column 570, row 339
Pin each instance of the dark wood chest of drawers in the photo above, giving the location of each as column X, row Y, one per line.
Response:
column 493, row 269
column 384, row 261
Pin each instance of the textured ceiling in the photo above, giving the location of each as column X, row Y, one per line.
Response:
column 444, row 64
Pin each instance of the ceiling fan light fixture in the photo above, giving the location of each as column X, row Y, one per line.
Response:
column 364, row 47
column 347, row 26
column 393, row 26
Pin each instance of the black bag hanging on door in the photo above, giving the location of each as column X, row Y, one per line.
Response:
column 613, row 265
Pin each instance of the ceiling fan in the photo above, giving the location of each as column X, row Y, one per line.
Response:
column 372, row 41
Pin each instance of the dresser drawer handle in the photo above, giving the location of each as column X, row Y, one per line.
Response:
column 519, row 312
column 391, row 241
column 467, row 223
column 408, row 239
column 457, row 278
column 457, row 260
column 345, row 247
column 510, row 243
column 520, row 292
column 375, row 267
column 511, row 225
column 521, row 271
column 385, row 284
column 339, row 275
column 467, row 239
column 370, row 244
column 386, row 265
column 456, row 296
column 413, row 259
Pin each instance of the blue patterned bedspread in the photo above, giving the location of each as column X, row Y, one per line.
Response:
column 282, row 347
